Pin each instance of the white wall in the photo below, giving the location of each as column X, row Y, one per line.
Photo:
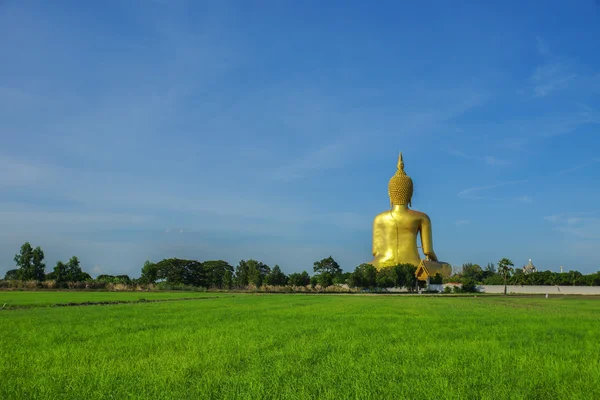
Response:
column 439, row 288
column 517, row 289
column 528, row 289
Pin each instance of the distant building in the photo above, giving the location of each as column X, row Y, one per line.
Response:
column 529, row 268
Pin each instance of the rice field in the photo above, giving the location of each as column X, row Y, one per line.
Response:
column 17, row 298
column 296, row 346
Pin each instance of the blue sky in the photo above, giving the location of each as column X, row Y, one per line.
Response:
column 135, row 130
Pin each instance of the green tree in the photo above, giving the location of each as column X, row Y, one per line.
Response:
column 505, row 268
column 105, row 278
column 405, row 276
column 490, row 268
column 562, row 279
column 325, row 279
column 60, row 273
column 11, row 275
column 299, row 279
column 124, row 279
column 149, row 273
column 216, row 272
column 369, row 275
column 386, row 277
column 518, row 277
column 488, row 272
column 276, row 277
column 241, row 274
column 342, row 278
column 593, row 279
column 495, row 279
column 577, row 278
column 257, row 271
column 182, row 272
column 546, row 278
column 85, row 277
column 355, row 280
column 366, row 274
column 195, row 274
column 437, row 280
column 326, row 270
column 304, row 278
column 468, row 286
column 328, row 265
column 69, row 272
column 228, row 279
column 535, row 278
column 30, row 263
column 74, row 272
column 250, row 272
column 172, row 271
column 472, row 271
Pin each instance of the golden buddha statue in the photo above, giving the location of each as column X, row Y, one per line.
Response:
column 395, row 231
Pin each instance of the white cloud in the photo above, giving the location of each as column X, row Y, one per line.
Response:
column 580, row 166
column 553, row 218
column 539, row 128
column 489, row 160
column 550, row 77
column 473, row 192
column 553, row 74
column 107, row 200
column 332, row 155
column 494, row 161
column 525, row 199
column 582, row 225
column 71, row 218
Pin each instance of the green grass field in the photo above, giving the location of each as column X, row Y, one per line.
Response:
column 304, row 346
column 16, row 298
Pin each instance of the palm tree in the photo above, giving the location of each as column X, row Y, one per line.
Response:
column 505, row 269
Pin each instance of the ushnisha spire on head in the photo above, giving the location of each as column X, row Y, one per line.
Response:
column 400, row 187
column 401, row 163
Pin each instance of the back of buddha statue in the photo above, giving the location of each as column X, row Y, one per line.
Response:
column 395, row 231
column 395, row 237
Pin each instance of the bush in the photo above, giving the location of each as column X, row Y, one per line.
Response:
column 324, row 279
column 437, row 280
column 16, row 284
column 447, row 289
column 468, row 286
column 51, row 284
column 494, row 280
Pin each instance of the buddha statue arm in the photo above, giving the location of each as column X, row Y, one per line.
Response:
column 426, row 238
column 377, row 238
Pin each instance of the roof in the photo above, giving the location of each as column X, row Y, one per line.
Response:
column 429, row 268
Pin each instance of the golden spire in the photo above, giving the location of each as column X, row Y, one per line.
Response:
column 401, row 164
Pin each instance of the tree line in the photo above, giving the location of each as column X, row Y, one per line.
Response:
column 327, row 272
column 218, row 274
column 505, row 273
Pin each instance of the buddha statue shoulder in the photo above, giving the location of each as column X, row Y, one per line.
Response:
column 395, row 231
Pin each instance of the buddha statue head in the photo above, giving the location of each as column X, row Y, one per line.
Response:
column 400, row 187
